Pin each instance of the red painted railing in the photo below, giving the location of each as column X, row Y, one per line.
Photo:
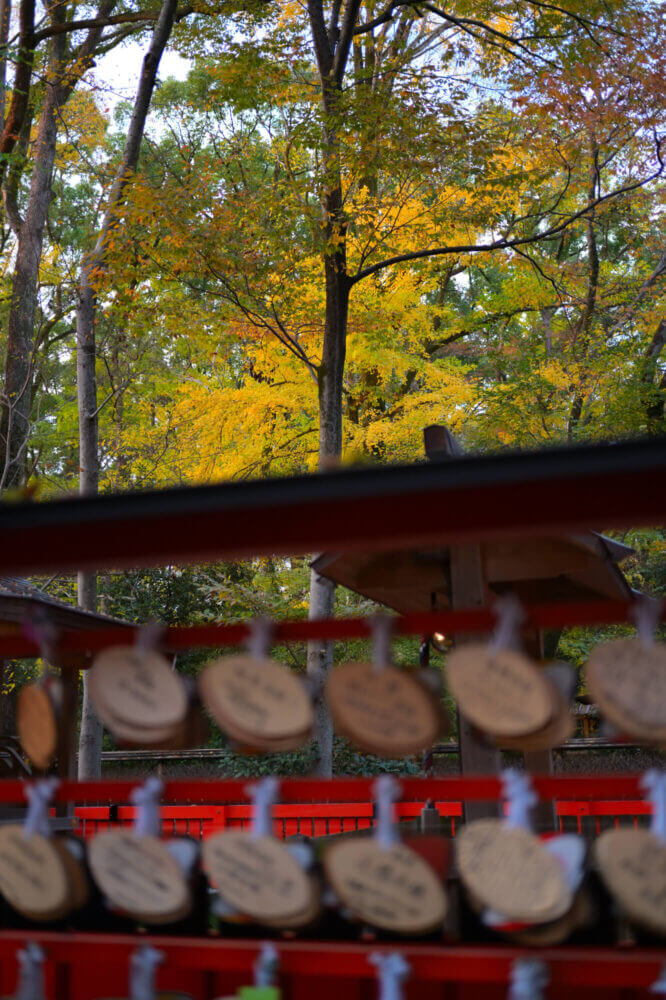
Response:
column 325, row 818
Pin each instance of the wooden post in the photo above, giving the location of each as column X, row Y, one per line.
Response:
column 67, row 733
column 468, row 590
column 539, row 761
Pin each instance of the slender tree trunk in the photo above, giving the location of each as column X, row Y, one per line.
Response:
column 90, row 739
column 17, row 402
column 332, row 45
column 5, row 16
column 17, row 399
column 331, row 372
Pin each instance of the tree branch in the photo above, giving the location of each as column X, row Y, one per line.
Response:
column 507, row 244
column 345, row 40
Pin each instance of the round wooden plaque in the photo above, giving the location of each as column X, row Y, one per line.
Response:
column 557, row 730
column 581, row 914
column 33, row 877
column 37, row 724
column 158, row 737
column 137, row 687
column 393, row 889
column 255, row 697
column 76, row 875
column 139, row 876
column 509, row 870
column 628, row 682
column 257, row 876
column 633, row 866
column 501, row 692
column 387, row 712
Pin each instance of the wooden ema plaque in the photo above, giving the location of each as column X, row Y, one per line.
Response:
column 501, row 693
column 33, row 875
column 627, row 679
column 633, row 866
column 509, row 870
column 139, row 876
column 37, row 717
column 136, row 688
column 257, row 876
column 557, row 730
column 390, row 888
column 387, row 712
column 257, row 701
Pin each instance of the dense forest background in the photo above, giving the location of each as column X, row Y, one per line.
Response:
column 348, row 221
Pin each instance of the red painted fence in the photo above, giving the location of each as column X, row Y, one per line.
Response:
column 325, row 818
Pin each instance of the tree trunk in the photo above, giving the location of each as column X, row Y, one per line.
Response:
column 331, row 372
column 90, row 737
column 17, row 400
column 5, row 17
column 332, row 46
column 90, row 740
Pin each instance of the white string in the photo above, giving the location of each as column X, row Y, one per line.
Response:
column 265, row 966
column 382, row 630
column 264, row 795
column 646, row 612
column 39, row 629
column 528, row 979
column 30, row 984
column 147, row 798
column 654, row 783
column 143, row 966
column 147, row 637
column 392, row 970
column 521, row 798
column 510, row 616
column 385, row 791
column 659, row 985
column 260, row 633
column 39, row 795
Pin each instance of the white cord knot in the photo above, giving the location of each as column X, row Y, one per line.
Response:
column 143, row 966
column 147, row 637
column 260, row 634
column 264, row 796
column 521, row 798
column 265, row 966
column 392, row 970
column 147, row 799
column 654, row 783
column 529, row 978
column 386, row 790
column 510, row 616
column 646, row 612
column 30, row 984
column 382, row 630
column 40, row 629
column 39, row 796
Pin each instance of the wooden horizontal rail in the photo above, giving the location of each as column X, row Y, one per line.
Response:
column 468, row 498
column 448, row 623
column 439, row 749
column 571, row 967
column 615, row 786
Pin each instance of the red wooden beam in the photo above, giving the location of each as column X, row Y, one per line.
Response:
column 575, row 967
column 615, row 786
column 472, row 620
column 480, row 497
